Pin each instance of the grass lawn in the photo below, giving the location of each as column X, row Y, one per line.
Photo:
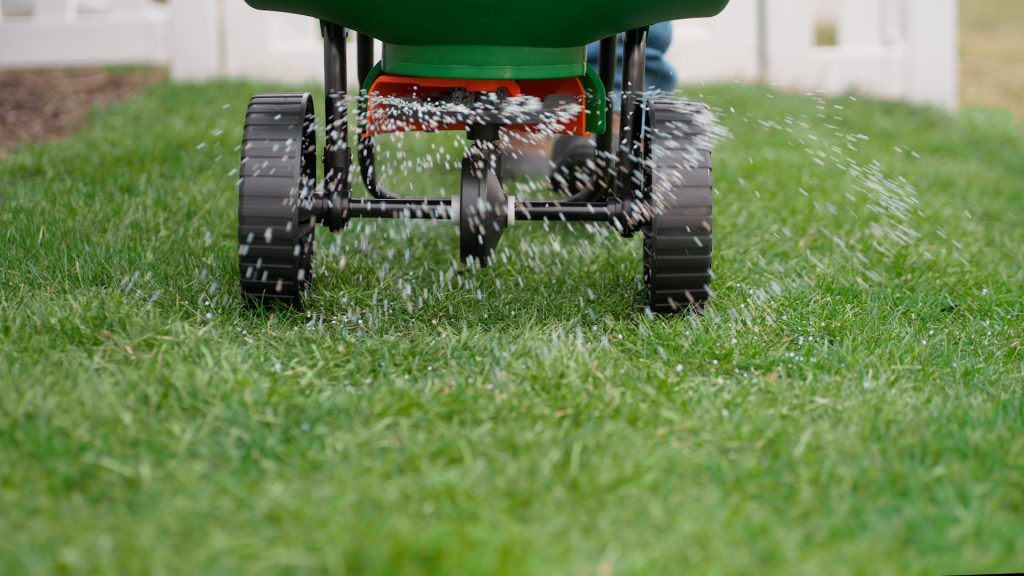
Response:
column 992, row 54
column 854, row 402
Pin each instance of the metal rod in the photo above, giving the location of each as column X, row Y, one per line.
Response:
column 365, row 60
column 413, row 208
column 336, row 151
column 607, row 63
column 364, row 56
column 442, row 209
column 543, row 211
column 634, row 62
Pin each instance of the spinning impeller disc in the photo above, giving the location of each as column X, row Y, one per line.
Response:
column 483, row 206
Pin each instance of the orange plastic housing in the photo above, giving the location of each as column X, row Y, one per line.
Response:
column 427, row 88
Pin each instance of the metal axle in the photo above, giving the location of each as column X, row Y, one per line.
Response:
column 447, row 209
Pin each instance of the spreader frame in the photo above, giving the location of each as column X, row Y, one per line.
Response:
column 611, row 200
column 626, row 184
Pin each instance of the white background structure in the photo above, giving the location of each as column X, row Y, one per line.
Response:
column 898, row 49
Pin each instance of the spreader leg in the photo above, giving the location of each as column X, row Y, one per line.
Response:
column 607, row 63
column 629, row 183
column 365, row 58
column 367, row 145
column 337, row 158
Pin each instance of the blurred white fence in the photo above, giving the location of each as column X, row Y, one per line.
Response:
column 228, row 38
column 900, row 49
column 55, row 33
column 897, row 49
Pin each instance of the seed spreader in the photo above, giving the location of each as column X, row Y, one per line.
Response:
column 484, row 67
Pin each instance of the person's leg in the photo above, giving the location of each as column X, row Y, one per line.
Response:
column 660, row 74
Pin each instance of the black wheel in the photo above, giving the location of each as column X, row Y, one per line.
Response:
column 678, row 234
column 483, row 206
column 276, row 229
column 576, row 170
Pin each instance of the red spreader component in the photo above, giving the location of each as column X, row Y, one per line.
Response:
column 380, row 121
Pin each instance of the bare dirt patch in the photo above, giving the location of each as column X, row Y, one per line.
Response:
column 50, row 104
